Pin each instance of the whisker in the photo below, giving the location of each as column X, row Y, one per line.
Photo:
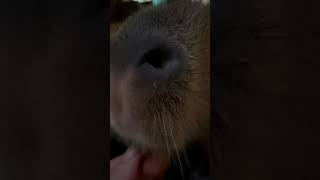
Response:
column 165, row 135
column 176, row 150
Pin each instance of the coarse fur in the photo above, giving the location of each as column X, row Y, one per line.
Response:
column 167, row 118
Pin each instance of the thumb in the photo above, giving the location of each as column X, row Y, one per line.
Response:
column 125, row 166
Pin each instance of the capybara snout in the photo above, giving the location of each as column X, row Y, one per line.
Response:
column 160, row 76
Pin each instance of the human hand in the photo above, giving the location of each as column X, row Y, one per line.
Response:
column 135, row 166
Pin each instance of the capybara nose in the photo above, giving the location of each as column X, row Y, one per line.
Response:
column 160, row 64
column 152, row 62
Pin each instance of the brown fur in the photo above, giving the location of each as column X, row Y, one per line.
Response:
column 179, row 113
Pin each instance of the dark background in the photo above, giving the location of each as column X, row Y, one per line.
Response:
column 53, row 90
column 265, row 89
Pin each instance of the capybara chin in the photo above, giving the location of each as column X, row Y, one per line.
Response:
column 160, row 77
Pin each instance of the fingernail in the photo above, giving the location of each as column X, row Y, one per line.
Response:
column 130, row 153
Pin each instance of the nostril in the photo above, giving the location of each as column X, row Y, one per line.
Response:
column 158, row 57
column 162, row 63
